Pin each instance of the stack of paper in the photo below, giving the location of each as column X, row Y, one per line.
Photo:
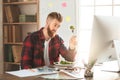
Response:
column 28, row 72
column 75, row 74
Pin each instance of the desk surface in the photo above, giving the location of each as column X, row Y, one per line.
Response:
column 98, row 75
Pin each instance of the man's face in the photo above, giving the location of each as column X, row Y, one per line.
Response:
column 53, row 26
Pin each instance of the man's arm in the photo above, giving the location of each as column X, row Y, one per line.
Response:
column 26, row 55
column 68, row 54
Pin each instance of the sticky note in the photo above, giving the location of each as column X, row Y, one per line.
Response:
column 64, row 4
column 50, row 4
column 68, row 18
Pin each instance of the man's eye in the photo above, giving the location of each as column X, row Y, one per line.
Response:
column 55, row 25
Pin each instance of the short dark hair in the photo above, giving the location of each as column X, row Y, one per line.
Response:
column 55, row 15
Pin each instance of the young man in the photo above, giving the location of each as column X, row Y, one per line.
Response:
column 43, row 47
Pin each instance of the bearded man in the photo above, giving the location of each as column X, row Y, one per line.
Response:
column 44, row 47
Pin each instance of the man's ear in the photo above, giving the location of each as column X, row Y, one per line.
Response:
column 48, row 20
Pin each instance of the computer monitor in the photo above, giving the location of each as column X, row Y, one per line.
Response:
column 105, row 30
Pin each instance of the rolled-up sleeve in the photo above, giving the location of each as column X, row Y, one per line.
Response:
column 68, row 54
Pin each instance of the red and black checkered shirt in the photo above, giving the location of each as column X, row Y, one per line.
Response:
column 33, row 50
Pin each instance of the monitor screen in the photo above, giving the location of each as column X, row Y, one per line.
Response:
column 105, row 30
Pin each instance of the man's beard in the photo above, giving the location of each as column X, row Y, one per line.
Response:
column 50, row 33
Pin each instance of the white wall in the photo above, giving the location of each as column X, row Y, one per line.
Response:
column 66, row 8
column 1, row 40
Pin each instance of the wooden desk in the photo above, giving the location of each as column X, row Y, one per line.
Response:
column 98, row 75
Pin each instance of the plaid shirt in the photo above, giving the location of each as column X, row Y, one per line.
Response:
column 33, row 50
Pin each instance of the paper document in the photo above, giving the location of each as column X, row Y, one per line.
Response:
column 75, row 74
column 28, row 72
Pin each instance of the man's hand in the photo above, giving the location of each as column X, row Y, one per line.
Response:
column 73, row 42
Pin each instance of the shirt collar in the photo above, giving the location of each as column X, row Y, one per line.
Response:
column 41, row 35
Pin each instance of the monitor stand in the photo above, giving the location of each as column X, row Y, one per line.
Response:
column 113, row 66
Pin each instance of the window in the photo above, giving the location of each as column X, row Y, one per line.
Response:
column 87, row 9
column 103, row 2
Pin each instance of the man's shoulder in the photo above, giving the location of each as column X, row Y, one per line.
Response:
column 58, row 38
column 36, row 33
